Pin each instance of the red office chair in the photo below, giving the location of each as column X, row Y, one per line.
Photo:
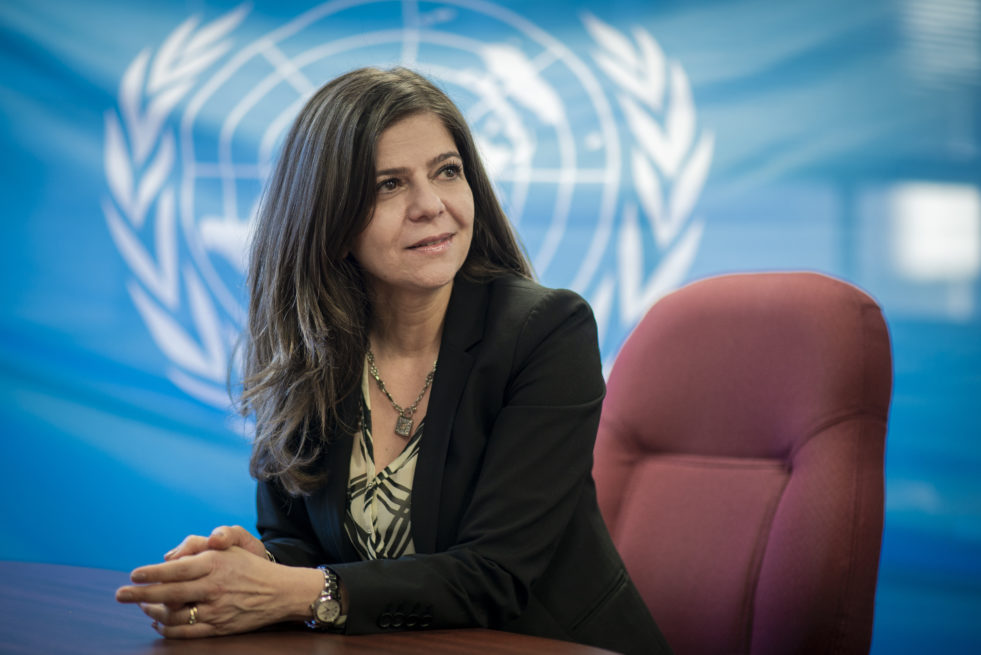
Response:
column 739, row 463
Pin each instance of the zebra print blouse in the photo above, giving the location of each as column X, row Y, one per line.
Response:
column 378, row 521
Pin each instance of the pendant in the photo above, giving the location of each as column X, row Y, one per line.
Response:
column 403, row 426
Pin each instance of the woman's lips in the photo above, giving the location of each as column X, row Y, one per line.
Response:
column 432, row 244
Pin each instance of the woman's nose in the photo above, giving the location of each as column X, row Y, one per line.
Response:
column 426, row 203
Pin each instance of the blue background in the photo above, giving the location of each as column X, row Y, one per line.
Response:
column 833, row 122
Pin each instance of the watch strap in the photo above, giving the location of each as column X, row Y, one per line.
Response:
column 329, row 595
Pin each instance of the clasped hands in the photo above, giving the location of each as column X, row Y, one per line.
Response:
column 220, row 584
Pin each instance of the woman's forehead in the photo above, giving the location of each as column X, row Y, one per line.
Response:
column 418, row 137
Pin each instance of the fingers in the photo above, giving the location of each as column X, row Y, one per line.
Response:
column 227, row 536
column 222, row 538
column 171, row 615
column 192, row 545
column 178, row 570
column 214, row 592
column 185, row 631
column 175, row 593
column 176, row 622
column 182, row 575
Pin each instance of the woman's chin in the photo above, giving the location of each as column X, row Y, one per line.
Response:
column 421, row 285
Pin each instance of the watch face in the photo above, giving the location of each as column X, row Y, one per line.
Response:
column 328, row 610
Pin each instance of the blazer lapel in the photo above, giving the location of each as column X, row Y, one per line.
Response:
column 462, row 328
column 328, row 505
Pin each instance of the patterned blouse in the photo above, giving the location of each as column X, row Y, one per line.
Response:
column 378, row 521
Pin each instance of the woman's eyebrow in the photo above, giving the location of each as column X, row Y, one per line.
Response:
column 446, row 155
column 401, row 170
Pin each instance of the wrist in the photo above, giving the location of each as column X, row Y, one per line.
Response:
column 302, row 586
column 327, row 610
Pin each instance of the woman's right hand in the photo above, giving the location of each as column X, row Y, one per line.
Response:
column 222, row 538
column 220, row 592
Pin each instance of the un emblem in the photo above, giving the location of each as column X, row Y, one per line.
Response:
column 601, row 192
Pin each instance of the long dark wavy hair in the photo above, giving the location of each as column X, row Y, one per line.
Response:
column 309, row 310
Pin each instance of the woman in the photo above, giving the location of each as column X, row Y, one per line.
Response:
column 425, row 413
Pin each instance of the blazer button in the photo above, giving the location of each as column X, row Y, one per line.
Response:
column 398, row 620
column 426, row 620
column 411, row 620
column 385, row 621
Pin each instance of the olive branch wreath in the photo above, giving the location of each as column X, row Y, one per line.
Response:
column 668, row 169
column 140, row 152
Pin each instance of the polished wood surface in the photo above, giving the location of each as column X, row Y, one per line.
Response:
column 53, row 609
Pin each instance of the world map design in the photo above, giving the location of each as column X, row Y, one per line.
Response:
column 601, row 191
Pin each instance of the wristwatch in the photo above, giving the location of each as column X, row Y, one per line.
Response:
column 327, row 608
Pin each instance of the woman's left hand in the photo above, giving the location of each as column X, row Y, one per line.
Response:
column 222, row 538
column 219, row 592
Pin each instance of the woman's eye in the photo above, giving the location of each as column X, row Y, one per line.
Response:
column 391, row 184
column 451, row 171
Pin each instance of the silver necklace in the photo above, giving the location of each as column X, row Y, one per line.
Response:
column 403, row 425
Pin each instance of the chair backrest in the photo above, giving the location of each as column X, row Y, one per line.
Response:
column 739, row 463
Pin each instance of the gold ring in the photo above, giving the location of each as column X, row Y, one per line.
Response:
column 194, row 615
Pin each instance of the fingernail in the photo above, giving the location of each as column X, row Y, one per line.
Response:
column 170, row 553
column 138, row 576
column 124, row 596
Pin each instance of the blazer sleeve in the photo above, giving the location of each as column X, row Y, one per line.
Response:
column 285, row 527
column 536, row 463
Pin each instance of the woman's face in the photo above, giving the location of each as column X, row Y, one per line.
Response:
column 420, row 231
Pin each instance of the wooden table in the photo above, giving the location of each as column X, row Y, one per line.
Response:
column 53, row 609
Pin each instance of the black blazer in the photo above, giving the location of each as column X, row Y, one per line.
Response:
column 505, row 523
